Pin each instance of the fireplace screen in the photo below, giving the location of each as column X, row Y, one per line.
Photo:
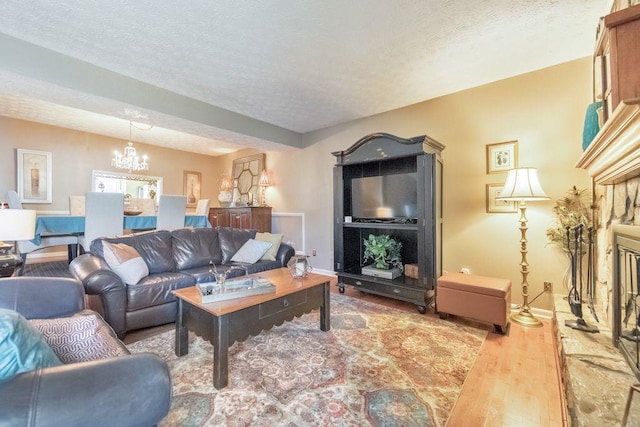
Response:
column 626, row 294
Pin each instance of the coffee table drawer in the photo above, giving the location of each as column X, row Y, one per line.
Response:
column 288, row 302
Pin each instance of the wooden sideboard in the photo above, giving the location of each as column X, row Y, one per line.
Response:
column 250, row 217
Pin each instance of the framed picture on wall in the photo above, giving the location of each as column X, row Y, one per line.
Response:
column 498, row 206
column 502, row 157
column 34, row 176
column 191, row 181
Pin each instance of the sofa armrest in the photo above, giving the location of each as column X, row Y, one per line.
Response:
column 98, row 279
column 42, row 297
column 132, row 390
column 285, row 252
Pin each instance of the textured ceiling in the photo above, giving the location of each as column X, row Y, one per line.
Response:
column 299, row 65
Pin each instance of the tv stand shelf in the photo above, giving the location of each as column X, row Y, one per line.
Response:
column 403, row 288
column 383, row 155
column 380, row 226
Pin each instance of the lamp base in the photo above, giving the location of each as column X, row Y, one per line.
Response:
column 525, row 318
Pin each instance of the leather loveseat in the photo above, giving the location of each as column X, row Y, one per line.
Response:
column 175, row 259
column 104, row 385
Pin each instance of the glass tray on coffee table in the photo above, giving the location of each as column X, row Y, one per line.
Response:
column 234, row 288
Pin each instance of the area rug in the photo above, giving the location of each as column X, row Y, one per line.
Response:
column 377, row 366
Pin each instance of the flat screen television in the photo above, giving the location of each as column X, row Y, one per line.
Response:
column 385, row 197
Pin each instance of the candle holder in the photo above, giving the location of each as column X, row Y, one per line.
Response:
column 299, row 266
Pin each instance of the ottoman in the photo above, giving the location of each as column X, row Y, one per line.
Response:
column 485, row 299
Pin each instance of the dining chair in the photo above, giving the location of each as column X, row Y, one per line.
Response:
column 104, row 216
column 146, row 206
column 171, row 212
column 26, row 247
column 76, row 205
column 202, row 208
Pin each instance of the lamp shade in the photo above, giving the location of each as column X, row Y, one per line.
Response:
column 17, row 224
column 522, row 184
column 264, row 179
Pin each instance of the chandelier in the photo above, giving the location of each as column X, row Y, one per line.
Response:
column 129, row 160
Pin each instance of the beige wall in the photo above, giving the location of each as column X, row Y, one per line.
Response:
column 543, row 110
column 75, row 154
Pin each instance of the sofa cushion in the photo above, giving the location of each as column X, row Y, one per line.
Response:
column 155, row 289
column 232, row 239
column 125, row 261
column 80, row 338
column 275, row 239
column 196, row 247
column 22, row 347
column 155, row 248
column 251, row 251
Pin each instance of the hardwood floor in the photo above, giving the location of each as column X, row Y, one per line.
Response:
column 514, row 382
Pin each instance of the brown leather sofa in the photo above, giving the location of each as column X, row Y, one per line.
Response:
column 176, row 259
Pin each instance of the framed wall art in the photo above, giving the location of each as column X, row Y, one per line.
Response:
column 502, row 157
column 498, row 206
column 34, row 176
column 191, row 181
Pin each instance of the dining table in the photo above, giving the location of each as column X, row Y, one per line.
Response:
column 51, row 225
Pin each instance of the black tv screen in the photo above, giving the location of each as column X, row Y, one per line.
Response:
column 385, row 197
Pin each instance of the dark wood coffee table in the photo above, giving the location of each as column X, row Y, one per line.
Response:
column 225, row 322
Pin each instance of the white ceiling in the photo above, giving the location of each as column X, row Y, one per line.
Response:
column 217, row 76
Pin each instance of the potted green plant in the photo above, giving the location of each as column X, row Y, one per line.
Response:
column 384, row 251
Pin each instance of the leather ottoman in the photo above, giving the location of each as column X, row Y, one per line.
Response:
column 485, row 299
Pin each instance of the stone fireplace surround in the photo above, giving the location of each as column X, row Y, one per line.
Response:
column 595, row 374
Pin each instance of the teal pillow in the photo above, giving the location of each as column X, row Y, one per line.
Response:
column 22, row 347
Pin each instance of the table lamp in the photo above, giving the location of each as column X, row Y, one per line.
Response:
column 15, row 224
column 522, row 185
column 264, row 183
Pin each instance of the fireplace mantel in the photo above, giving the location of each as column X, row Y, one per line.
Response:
column 614, row 154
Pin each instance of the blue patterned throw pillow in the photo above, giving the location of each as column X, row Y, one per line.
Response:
column 22, row 347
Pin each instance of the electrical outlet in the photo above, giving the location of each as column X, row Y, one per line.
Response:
column 465, row 270
column 548, row 287
column 314, row 253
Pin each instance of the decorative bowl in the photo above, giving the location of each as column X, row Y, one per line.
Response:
column 132, row 213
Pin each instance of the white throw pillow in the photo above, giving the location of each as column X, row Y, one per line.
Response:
column 251, row 251
column 275, row 239
column 125, row 261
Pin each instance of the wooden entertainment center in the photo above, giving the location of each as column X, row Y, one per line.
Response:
column 382, row 154
column 254, row 217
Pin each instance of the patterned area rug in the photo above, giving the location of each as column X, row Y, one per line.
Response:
column 377, row 366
